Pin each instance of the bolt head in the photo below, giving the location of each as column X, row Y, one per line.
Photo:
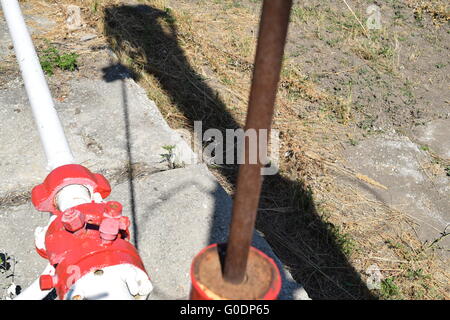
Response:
column 46, row 282
column 109, row 229
column 113, row 209
column 73, row 220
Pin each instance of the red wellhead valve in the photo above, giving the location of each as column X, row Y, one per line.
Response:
column 86, row 239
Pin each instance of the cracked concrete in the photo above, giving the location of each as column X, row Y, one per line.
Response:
column 111, row 127
column 400, row 165
column 435, row 135
column 135, row 131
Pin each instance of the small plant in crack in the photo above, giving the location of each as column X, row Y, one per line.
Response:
column 424, row 148
column 353, row 142
column 444, row 234
column 389, row 290
column 51, row 58
column 169, row 157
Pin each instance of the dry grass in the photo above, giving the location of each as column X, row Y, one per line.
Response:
column 195, row 62
column 438, row 9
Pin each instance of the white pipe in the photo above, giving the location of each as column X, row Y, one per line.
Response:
column 118, row 282
column 52, row 135
column 121, row 281
column 71, row 196
column 34, row 292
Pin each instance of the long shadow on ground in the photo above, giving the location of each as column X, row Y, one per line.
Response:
column 300, row 238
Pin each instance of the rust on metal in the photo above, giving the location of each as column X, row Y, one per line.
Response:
column 261, row 277
column 269, row 52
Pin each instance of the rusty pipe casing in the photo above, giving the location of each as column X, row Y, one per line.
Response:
column 269, row 52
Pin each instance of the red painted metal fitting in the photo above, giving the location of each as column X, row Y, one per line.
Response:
column 124, row 223
column 104, row 243
column 73, row 219
column 113, row 209
column 43, row 195
column 109, row 229
column 263, row 280
column 46, row 282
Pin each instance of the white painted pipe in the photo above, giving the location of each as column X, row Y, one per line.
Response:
column 118, row 282
column 51, row 132
column 71, row 196
column 34, row 292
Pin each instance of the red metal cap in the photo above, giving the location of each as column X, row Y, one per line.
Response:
column 113, row 209
column 43, row 195
column 46, row 282
column 73, row 219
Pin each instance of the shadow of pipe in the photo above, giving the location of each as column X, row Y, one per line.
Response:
column 117, row 72
column 304, row 242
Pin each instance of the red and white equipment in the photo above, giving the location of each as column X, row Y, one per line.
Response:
column 87, row 238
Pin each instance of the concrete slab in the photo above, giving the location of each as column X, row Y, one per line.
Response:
column 397, row 163
column 111, row 125
column 435, row 135
column 108, row 125
column 174, row 215
column 35, row 24
column 5, row 40
column 108, row 119
column 17, row 225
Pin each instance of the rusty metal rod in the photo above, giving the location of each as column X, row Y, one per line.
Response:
column 269, row 52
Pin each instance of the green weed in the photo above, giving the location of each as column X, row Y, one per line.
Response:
column 51, row 59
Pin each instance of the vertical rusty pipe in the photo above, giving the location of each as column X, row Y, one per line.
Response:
column 269, row 52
